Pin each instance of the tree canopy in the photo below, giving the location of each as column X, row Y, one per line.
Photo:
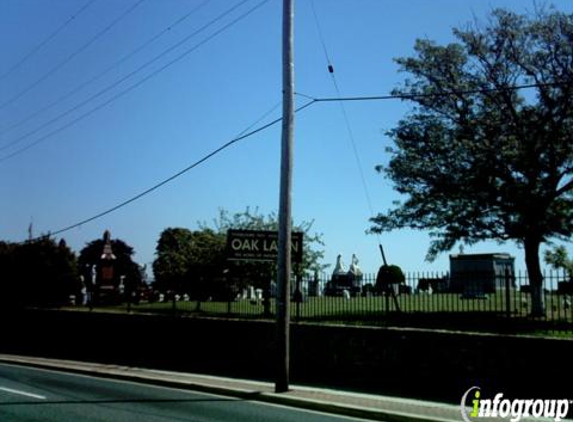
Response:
column 478, row 159
column 40, row 272
column 252, row 219
column 186, row 258
column 195, row 261
column 559, row 259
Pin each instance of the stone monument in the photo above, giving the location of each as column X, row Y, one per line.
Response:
column 344, row 280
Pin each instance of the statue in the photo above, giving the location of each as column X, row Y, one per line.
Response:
column 339, row 267
column 354, row 269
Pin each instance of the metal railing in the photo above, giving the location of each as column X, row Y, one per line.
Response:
column 426, row 299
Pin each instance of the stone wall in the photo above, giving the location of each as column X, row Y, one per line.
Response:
column 427, row 364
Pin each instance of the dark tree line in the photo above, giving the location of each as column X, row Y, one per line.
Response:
column 47, row 273
column 39, row 272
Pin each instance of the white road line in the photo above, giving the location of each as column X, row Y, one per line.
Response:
column 22, row 393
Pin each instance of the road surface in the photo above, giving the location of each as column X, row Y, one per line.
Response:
column 30, row 394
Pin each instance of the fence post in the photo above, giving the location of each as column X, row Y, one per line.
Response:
column 298, row 296
column 507, row 293
column 228, row 280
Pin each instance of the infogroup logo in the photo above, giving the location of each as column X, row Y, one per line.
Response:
column 514, row 410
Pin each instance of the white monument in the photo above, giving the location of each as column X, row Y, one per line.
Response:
column 354, row 269
column 339, row 267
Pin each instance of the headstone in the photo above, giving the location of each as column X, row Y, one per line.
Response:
column 259, row 294
column 121, row 284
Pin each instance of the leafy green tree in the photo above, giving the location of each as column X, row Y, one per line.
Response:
column 313, row 252
column 261, row 274
column 171, row 264
column 477, row 159
column 194, row 262
column 559, row 259
column 40, row 272
column 188, row 261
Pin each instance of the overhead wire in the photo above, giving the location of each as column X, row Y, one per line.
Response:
column 97, row 77
column 46, row 41
column 71, row 56
column 434, row 94
column 243, row 135
column 247, row 133
column 346, row 119
column 126, row 90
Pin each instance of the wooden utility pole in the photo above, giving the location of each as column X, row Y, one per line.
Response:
column 284, row 252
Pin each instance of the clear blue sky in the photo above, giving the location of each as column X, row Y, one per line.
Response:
column 201, row 102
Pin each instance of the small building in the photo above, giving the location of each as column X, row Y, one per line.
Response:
column 475, row 275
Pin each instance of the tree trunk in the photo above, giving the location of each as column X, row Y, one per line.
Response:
column 535, row 277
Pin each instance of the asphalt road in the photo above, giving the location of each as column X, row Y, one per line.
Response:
column 30, row 394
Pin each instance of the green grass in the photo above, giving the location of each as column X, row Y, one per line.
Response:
column 369, row 308
column 447, row 314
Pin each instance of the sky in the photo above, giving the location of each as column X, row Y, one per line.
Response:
column 102, row 99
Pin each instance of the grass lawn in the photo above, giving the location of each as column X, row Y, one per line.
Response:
column 375, row 308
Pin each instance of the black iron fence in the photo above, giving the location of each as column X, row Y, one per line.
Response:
column 427, row 299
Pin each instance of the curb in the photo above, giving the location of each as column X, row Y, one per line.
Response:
column 160, row 378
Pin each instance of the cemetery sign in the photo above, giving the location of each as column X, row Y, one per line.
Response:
column 260, row 245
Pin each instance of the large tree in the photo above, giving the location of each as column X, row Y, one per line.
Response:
column 261, row 274
column 478, row 159
column 39, row 272
column 187, row 261
column 253, row 219
column 195, row 261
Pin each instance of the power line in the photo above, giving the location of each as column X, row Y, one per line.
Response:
column 133, row 86
column 321, row 38
column 106, row 89
column 71, row 56
column 433, row 94
column 349, row 130
column 49, row 38
column 311, row 98
column 244, row 135
column 98, row 76
column 247, row 133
